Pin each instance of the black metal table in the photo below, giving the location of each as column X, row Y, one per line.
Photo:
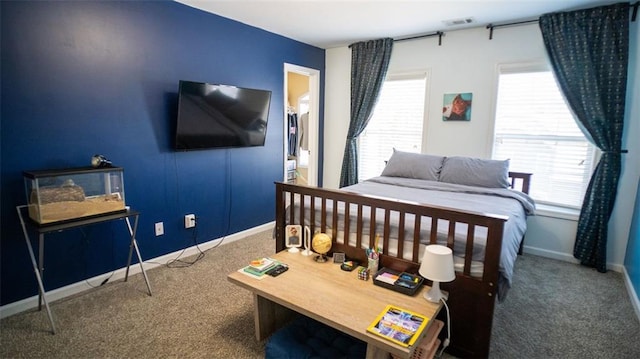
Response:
column 59, row 227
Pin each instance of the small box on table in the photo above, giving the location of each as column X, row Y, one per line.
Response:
column 403, row 282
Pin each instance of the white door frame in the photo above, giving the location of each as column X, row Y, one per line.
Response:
column 314, row 116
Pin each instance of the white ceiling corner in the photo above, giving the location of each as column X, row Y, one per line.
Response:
column 328, row 24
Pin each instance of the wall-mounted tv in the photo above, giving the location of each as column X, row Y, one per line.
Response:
column 219, row 116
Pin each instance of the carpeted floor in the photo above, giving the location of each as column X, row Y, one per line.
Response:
column 195, row 312
column 562, row 310
column 555, row 310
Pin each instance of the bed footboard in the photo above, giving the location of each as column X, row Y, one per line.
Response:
column 472, row 297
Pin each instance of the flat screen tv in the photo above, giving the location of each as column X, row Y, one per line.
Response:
column 220, row 116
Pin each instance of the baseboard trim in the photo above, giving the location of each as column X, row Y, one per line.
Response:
column 565, row 257
column 635, row 301
column 79, row 287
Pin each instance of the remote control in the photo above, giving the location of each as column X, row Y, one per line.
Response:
column 277, row 270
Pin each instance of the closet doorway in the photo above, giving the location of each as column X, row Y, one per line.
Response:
column 301, row 89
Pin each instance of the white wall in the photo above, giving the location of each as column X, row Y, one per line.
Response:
column 337, row 93
column 467, row 62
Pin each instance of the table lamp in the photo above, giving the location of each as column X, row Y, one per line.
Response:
column 437, row 266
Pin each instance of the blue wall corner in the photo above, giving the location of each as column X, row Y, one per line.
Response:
column 632, row 257
column 101, row 77
column 632, row 254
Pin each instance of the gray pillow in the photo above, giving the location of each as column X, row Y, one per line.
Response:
column 413, row 165
column 475, row 172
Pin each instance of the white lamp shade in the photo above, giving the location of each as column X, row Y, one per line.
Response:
column 437, row 264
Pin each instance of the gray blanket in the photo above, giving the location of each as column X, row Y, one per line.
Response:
column 514, row 204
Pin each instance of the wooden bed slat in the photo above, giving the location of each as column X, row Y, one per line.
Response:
column 372, row 227
column 400, row 241
column 434, row 231
column 451, row 235
column 334, row 222
column 323, row 214
column 312, row 215
column 387, row 231
column 347, row 213
column 469, row 250
column 358, row 228
column 416, row 238
column 292, row 213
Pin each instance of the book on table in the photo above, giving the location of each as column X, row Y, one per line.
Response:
column 398, row 325
column 259, row 267
column 262, row 264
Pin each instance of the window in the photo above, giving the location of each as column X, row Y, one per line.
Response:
column 535, row 129
column 396, row 123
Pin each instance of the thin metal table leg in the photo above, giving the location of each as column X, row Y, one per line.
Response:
column 40, row 265
column 36, row 269
column 126, row 274
column 134, row 245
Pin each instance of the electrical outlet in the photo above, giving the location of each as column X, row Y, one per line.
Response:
column 159, row 229
column 189, row 221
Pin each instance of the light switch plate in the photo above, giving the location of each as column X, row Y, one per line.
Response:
column 159, row 229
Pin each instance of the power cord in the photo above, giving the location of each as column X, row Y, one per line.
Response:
column 102, row 283
column 85, row 238
column 228, row 219
column 177, row 262
column 446, row 342
column 180, row 263
column 228, row 200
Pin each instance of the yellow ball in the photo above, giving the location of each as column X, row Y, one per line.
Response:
column 321, row 243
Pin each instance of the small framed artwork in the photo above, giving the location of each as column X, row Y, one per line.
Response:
column 293, row 237
column 338, row 257
column 457, row 107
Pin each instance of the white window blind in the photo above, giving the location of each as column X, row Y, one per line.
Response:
column 396, row 123
column 535, row 129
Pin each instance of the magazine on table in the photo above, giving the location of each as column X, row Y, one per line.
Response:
column 399, row 325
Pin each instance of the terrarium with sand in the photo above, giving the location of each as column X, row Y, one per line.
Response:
column 69, row 194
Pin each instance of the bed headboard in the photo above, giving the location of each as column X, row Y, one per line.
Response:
column 520, row 181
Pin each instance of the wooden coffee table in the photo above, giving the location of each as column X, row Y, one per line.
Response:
column 324, row 292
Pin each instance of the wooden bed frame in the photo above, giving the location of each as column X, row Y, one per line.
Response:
column 471, row 299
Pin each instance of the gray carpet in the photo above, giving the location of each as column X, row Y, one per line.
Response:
column 555, row 310
column 562, row 310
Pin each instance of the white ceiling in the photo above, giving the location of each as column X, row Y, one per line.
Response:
column 328, row 24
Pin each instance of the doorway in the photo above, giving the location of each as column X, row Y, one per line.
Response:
column 301, row 89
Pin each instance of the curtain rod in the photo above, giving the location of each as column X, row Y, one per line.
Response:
column 439, row 34
column 492, row 26
column 634, row 15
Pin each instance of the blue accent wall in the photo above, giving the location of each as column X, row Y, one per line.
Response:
column 101, row 77
column 632, row 255
column 632, row 258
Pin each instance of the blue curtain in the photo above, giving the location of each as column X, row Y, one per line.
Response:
column 369, row 63
column 588, row 50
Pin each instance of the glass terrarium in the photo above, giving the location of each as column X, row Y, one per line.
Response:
column 74, row 193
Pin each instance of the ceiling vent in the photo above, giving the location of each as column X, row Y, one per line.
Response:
column 458, row 22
